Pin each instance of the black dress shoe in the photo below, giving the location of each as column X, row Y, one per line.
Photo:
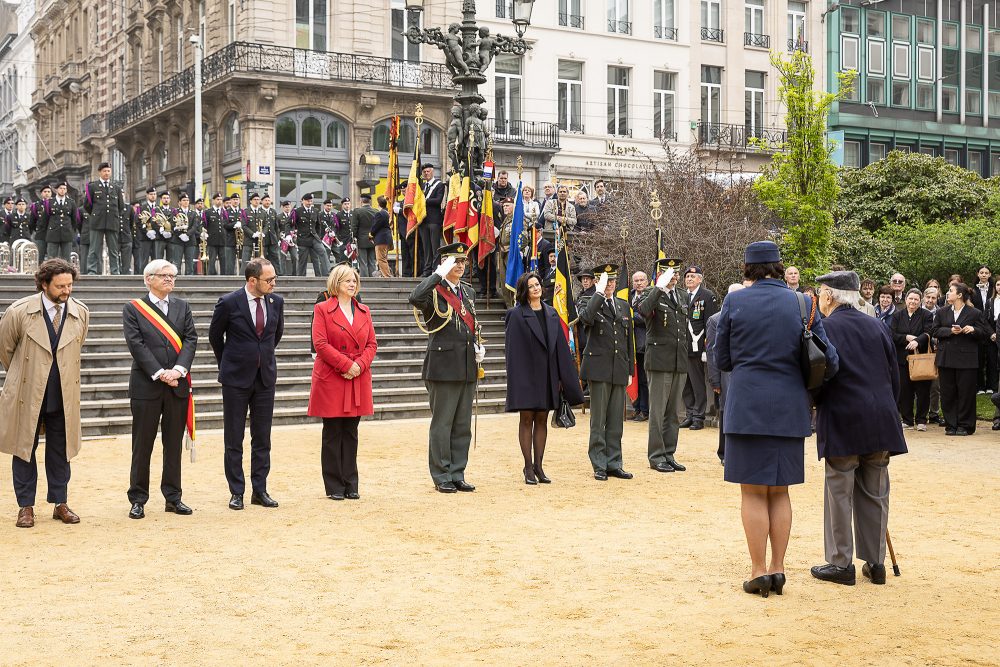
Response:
column 619, row 473
column 336, row 496
column 960, row 431
column 462, row 485
column 236, row 502
column 662, row 467
column 178, row 507
column 136, row 512
column 672, row 462
column 949, row 431
column 778, row 582
column 996, row 426
column 874, row 573
column 686, row 423
column 529, row 476
column 261, row 498
column 540, row 474
column 352, row 495
column 832, row 573
column 446, row 487
column 696, row 425
column 761, row 584
column 600, row 476
column 642, row 417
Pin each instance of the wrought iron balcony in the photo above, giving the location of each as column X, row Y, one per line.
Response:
column 752, row 39
column 741, row 138
column 270, row 60
column 798, row 45
column 570, row 20
column 712, row 34
column 623, row 27
column 663, row 32
column 529, row 134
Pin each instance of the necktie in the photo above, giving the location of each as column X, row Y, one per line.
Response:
column 163, row 306
column 57, row 320
column 260, row 317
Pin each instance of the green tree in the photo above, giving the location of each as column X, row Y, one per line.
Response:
column 800, row 183
column 911, row 188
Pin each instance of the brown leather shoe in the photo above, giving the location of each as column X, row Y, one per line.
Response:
column 26, row 518
column 64, row 514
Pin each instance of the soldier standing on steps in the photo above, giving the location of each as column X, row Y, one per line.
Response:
column 450, row 369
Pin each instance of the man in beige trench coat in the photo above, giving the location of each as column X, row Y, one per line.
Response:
column 41, row 337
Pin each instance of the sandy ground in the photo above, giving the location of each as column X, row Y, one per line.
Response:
column 646, row 571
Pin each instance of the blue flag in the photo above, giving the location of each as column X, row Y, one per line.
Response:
column 515, row 264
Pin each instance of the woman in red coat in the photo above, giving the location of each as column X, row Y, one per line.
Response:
column 341, row 391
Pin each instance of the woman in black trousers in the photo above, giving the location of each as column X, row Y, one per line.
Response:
column 911, row 332
column 539, row 365
column 959, row 328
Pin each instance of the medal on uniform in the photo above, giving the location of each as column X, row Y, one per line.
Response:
column 696, row 312
column 463, row 311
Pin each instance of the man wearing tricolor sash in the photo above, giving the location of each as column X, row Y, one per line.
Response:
column 450, row 368
column 162, row 340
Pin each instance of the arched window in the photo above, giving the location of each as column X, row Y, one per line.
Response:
column 336, row 134
column 231, row 134
column 312, row 132
column 284, row 131
column 206, row 147
column 141, row 169
column 429, row 141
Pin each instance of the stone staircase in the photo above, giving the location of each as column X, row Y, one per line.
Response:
column 398, row 390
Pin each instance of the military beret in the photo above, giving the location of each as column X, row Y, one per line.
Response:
column 345, row 200
column 307, row 196
column 62, row 184
column 285, row 202
column 21, row 200
column 8, row 200
column 693, row 269
column 199, row 200
column 584, row 274
column 150, row 191
column 235, row 195
column 217, row 195
column 254, row 195
column 427, row 165
column 762, row 252
column 364, row 197
column 184, row 196
column 847, row 281
column 327, row 201
column 165, row 193
column 104, row 165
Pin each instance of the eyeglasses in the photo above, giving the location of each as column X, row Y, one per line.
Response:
column 895, row 281
column 166, row 276
column 269, row 281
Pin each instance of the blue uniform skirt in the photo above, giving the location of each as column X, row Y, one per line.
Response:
column 769, row 460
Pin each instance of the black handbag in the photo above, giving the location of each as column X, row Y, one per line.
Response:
column 812, row 352
column 562, row 416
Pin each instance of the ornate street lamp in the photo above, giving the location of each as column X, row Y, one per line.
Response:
column 468, row 51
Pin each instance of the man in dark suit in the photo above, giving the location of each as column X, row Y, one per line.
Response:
column 430, row 228
column 105, row 205
column 246, row 328
column 160, row 333
column 607, row 366
column 362, row 223
column 450, row 367
column 702, row 305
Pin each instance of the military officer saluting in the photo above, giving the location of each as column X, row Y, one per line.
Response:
column 61, row 224
column 668, row 340
column 607, row 366
column 450, row 369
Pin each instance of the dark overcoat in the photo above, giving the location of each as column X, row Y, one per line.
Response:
column 962, row 350
column 538, row 362
column 856, row 408
column 758, row 340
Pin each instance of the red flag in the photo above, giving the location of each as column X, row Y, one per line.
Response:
column 414, row 205
column 450, row 211
column 462, row 212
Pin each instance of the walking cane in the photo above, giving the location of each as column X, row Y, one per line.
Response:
column 892, row 553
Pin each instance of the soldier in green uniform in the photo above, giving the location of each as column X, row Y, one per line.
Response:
column 607, row 365
column 667, row 343
column 450, row 369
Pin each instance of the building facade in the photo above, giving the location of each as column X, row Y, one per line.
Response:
column 621, row 78
column 928, row 80
column 17, row 77
column 294, row 92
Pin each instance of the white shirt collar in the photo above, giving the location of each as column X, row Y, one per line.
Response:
column 451, row 284
column 250, row 297
column 156, row 300
column 49, row 305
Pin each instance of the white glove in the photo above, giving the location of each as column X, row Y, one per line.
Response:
column 445, row 267
column 704, row 357
column 602, row 283
column 183, row 237
column 257, row 235
column 314, row 356
column 238, row 225
column 629, row 383
column 397, row 207
column 665, row 279
column 166, row 235
column 480, row 353
column 150, row 235
column 288, row 238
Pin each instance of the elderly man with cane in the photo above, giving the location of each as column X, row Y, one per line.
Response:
column 857, row 430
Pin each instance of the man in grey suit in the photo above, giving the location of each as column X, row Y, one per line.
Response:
column 667, row 343
column 607, row 366
column 450, row 369
column 107, row 211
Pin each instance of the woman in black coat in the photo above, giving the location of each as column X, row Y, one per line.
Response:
column 959, row 328
column 539, row 365
column 911, row 328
